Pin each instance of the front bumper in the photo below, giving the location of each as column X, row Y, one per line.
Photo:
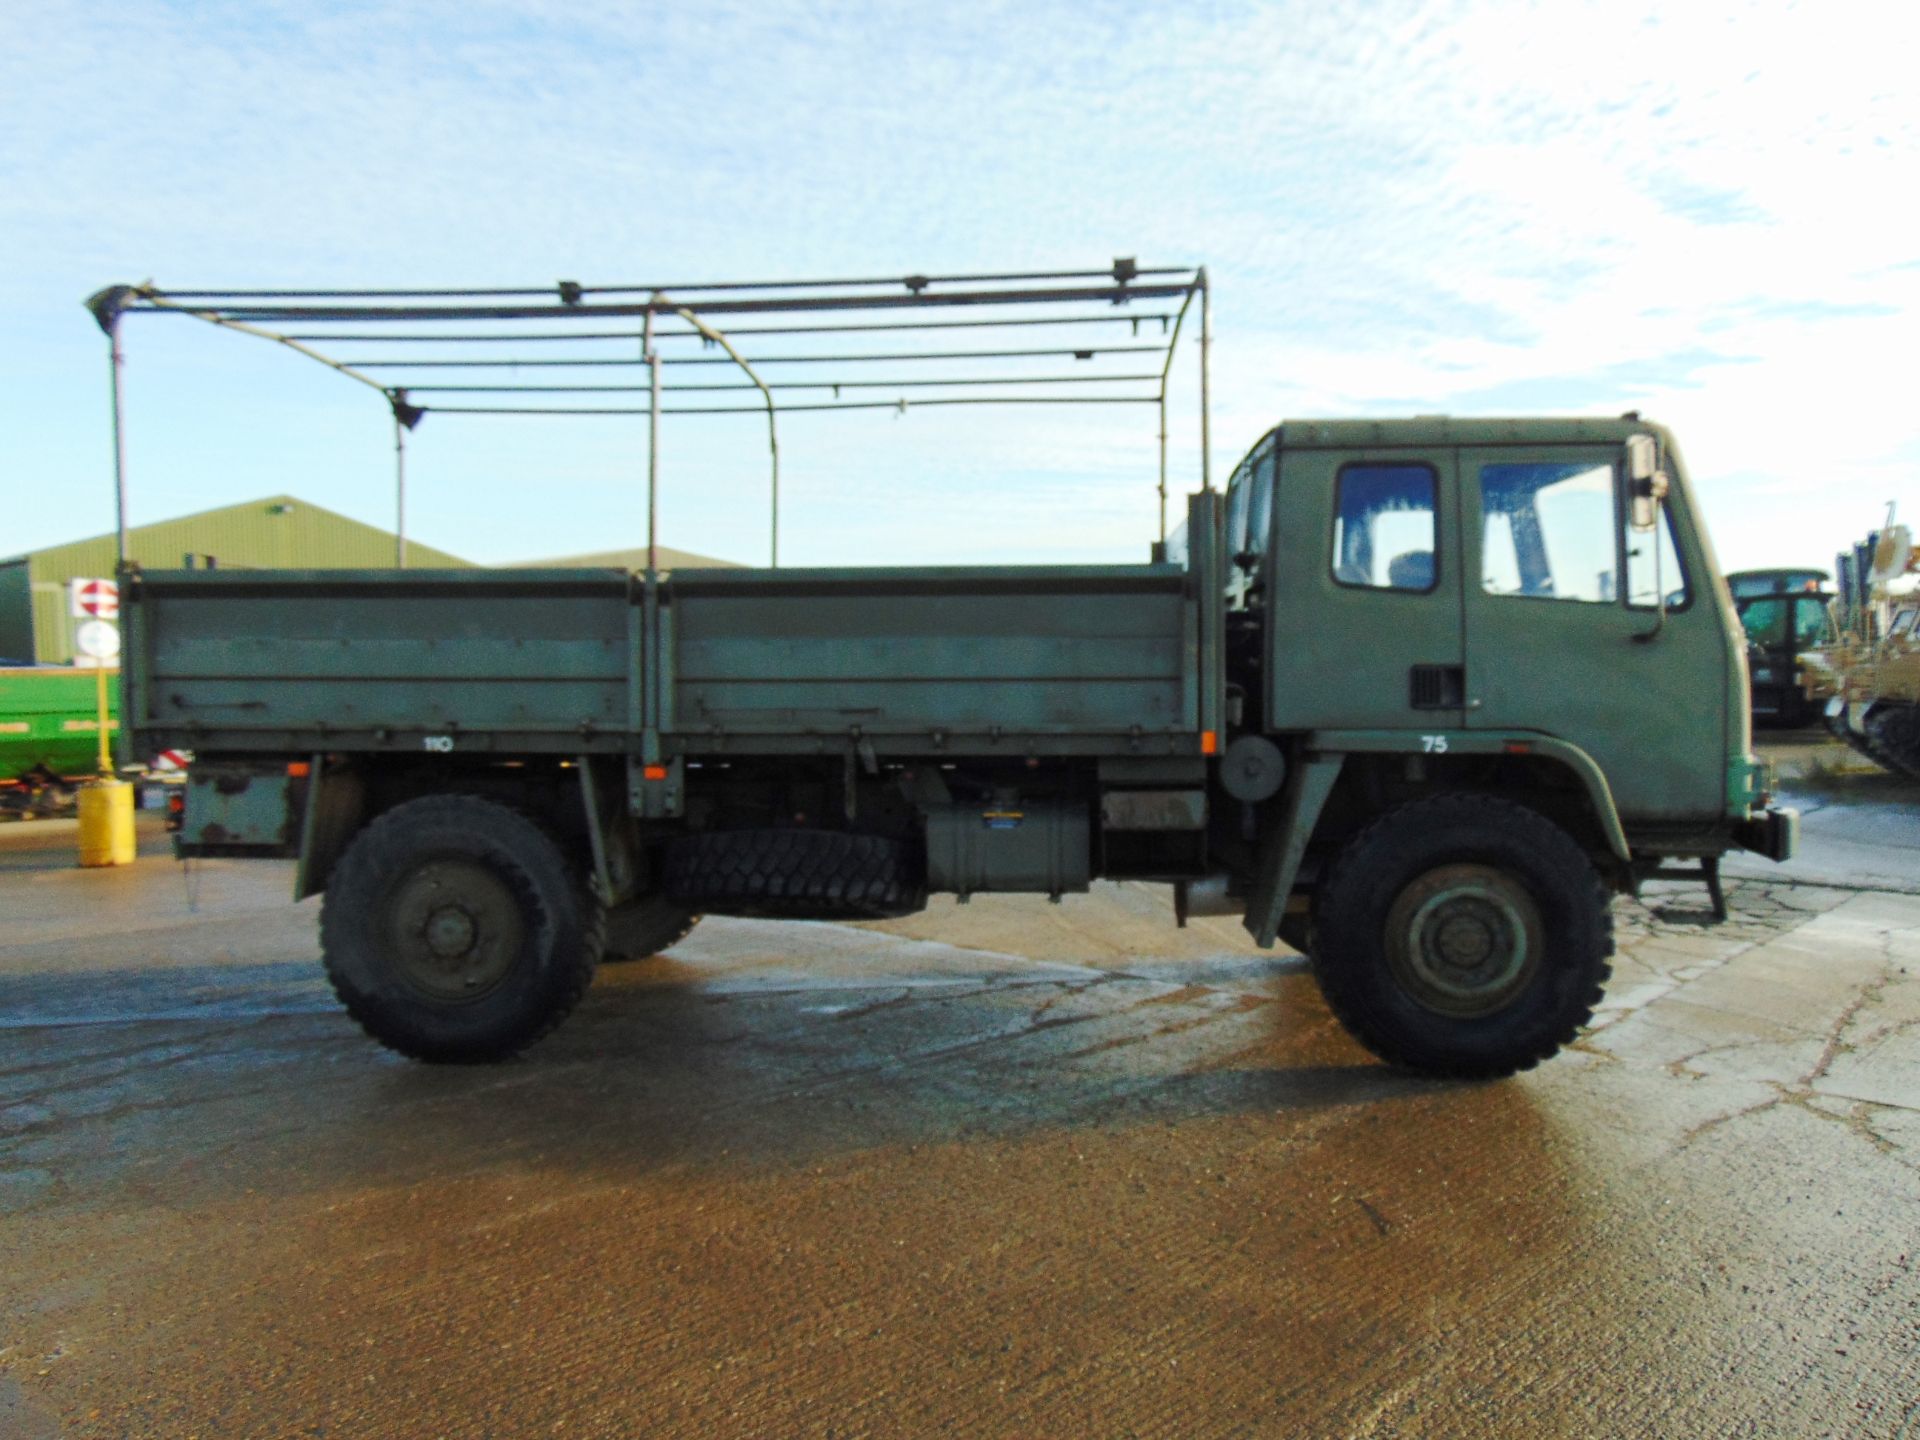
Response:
column 1774, row 833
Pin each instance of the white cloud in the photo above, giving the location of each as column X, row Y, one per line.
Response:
column 1702, row 210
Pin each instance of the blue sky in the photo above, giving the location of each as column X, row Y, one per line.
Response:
column 1705, row 212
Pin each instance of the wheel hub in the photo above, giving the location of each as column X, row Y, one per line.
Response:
column 450, row 932
column 1464, row 940
column 455, row 929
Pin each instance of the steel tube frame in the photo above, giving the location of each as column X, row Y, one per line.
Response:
column 912, row 282
column 773, row 435
column 1166, row 370
column 381, row 314
column 652, row 357
column 218, row 308
column 509, row 337
column 399, row 493
column 1084, row 352
column 589, row 389
column 1206, row 382
column 901, row 405
column 117, row 359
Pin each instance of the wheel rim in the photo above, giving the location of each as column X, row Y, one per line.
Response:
column 455, row 929
column 1464, row 940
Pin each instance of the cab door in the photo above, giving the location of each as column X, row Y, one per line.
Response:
column 1564, row 636
column 1365, row 627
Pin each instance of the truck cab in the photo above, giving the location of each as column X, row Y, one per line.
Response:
column 1462, row 578
column 1452, row 633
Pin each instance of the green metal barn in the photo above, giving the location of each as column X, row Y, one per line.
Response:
column 279, row 532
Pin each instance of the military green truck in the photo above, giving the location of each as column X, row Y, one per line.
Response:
column 1417, row 697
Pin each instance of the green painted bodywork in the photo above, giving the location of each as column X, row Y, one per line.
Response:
column 1634, row 713
column 1656, row 703
column 1304, row 797
column 1577, row 762
column 49, row 717
column 239, row 808
column 1048, row 660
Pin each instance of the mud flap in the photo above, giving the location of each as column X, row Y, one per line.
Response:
column 1286, row 844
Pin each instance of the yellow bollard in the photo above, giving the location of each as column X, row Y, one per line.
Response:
column 106, row 823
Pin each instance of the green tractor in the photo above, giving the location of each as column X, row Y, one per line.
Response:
column 1785, row 613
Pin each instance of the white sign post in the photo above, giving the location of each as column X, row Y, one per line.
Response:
column 94, row 606
column 98, row 641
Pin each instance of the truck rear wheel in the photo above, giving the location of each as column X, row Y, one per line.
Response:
column 642, row 928
column 1463, row 936
column 455, row 929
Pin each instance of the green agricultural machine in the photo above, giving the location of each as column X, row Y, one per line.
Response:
column 49, row 735
column 1416, row 697
column 1786, row 615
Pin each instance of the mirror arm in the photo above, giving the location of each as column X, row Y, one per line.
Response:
column 1656, row 492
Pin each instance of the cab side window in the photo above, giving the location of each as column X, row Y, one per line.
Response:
column 1239, row 492
column 1548, row 531
column 1766, row 621
column 1384, row 532
column 1260, row 498
column 1809, row 622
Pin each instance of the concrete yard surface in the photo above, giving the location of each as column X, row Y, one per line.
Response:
column 1008, row 1169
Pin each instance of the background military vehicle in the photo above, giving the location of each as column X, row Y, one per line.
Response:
column 1867, row 676
column 1784, row 613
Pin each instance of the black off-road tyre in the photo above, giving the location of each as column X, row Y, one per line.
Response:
column 455, row 929
column 1893, row 737
column 1296, row 932
column 1463, row 936
column 1863, row 746
column 643, row 928
column 796, row 875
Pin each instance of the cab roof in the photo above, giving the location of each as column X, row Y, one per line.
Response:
column 1451, row 430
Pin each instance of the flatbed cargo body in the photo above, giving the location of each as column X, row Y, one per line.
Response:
column 1056, row 660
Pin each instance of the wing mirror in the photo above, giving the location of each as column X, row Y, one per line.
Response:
column 1646, row 481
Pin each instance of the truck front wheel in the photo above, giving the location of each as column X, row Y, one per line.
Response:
column 1463, row 935
column 455, row 929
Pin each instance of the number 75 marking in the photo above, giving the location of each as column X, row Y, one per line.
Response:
column 1434, row 744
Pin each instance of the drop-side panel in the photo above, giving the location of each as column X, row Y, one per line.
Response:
column 236, row 660
column 1053, row 651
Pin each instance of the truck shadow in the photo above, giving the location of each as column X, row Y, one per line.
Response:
column 202, row 1080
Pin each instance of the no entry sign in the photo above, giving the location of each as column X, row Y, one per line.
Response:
column 95, row 599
